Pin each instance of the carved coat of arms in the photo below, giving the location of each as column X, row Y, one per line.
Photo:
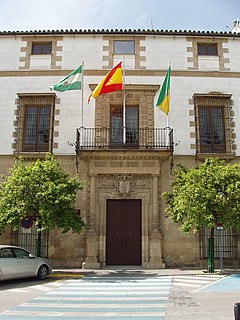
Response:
column 124, row 184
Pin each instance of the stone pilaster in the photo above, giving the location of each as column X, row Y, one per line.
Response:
column 92, row 202
column 155, row 242
column 92, row 250
column 92, row 238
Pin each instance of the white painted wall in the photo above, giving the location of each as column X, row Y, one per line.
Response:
column 9, row 52
column 82, row 48
column 160, row 51
column 88, row 48
column 234, row 53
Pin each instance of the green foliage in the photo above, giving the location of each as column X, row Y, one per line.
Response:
column 43, row 190
column 199, row 194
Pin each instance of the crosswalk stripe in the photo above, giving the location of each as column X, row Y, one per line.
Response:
column 82, row 314
column 94, row 306
column 36, row 287
column 56, row 284
column 191, row 281
column 188, row 285
column 41, row 288
column 119, row 289
column 205, row 276
column 17, row 290
column 140, row 299
column 118, row 285
column 195, row 282
column 143, row 293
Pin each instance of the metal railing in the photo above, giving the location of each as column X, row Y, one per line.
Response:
column 229, row 244
column 124, row 138
column 27, row 239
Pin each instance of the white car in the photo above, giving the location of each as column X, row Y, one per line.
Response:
column 16, row 262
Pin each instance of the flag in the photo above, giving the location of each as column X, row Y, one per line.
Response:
column 73, row 81
column 164, row 95
column 110, row 83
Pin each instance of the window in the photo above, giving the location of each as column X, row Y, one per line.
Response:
column 207, row 49
column 21, row 253
column 35, row 123
column 40, row 48
column 129, row 134
column 213, row 123
column 6, row 253
column 36, row 128
column 124, row 47
column 212, row 131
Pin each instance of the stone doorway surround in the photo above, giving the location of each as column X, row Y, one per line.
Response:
column 124, row 176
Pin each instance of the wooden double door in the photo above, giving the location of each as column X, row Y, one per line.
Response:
column 124, row 232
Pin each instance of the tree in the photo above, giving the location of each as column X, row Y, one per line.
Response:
column 42, row 190
column 205, row 196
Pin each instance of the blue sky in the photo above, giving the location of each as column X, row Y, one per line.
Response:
column 201, row 15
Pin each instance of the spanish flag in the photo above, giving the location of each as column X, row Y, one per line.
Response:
column 110, row 83
column 164, row 95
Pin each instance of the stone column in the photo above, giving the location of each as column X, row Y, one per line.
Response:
column 92, row 238
column 155, row 240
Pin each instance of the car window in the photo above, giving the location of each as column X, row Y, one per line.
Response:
column 21, row 253
column 6, row 253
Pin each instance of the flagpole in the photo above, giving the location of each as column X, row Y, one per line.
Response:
column 168, row 123
column 82, row 89
column 124, row 104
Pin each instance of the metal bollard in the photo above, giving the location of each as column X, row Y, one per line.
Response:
column 237, row 311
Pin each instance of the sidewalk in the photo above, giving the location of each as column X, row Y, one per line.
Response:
column 124, row 271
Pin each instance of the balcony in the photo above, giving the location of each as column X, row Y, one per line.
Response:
column 157, row 139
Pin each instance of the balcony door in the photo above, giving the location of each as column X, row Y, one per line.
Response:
column 129, row 134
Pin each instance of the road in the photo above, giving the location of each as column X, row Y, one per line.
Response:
column 211, row 301
column 184, row 297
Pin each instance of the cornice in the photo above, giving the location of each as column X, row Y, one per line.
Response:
column 136, row 72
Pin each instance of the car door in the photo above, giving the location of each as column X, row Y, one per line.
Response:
column 26, row 266
column 8, row 263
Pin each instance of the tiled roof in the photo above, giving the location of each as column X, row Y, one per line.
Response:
column 124, row 31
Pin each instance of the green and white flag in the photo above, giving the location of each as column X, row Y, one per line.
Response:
column 73, row 81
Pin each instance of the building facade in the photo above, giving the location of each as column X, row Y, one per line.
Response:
column 125, row 156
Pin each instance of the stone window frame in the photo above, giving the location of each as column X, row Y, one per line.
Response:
column 25, row 99
column 214, row 100
column 192, row 49
column 140, row 50
column 135, row 95
column 27, row 50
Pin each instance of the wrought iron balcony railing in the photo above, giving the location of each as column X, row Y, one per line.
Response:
column 124, row 138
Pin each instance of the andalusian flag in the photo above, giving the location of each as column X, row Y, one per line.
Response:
column 73, row 81
column 164, row 95
column 110, row 83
